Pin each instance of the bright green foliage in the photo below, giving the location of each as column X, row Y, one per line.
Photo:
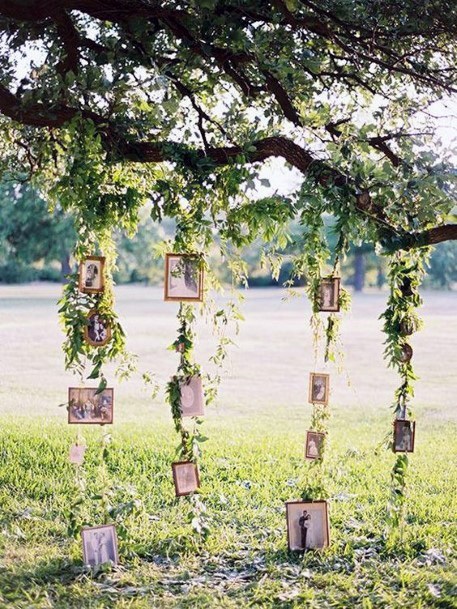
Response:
column 30, row 233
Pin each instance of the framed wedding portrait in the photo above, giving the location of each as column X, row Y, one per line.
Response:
column 307, row 525
column 86, row 406
column 314, row 444
column 192, row 397
column 183, row 278
column 100, row 545
column 185, row 477
column 329, row 295
column 92, row 275
column 319, row 388
column 404, row 436
column 97, row 331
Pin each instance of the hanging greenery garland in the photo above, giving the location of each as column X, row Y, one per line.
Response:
column 406, row 271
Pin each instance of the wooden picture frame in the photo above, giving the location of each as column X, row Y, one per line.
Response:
column 188, row 286
column 319, row 388
column 189, row 470
column 87, row 407
column 307, row 525
column 404, row 442
column 91, row 332
column 96, row 546
column 314, row 444
column 92, row 275
column 192, row 400
column 329, row 294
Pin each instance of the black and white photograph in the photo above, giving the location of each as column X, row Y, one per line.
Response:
column 307, row 525
column 404, row 434
column 91, row 275
column 192, row 398
column 183, row 278
column 97, row 331
column 86, row 406
column 319, row 388
column 185, row 477
column 100, row 545
column 314, row 444
column 329, row 294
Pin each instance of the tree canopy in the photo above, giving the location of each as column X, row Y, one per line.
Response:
column 109, row 104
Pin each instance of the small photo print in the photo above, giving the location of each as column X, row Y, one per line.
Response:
column 185, row 477
column 314, row 444
column 192, row 399
column 91, row 275
column 100, row 545
column 329, row 294
column 404, row 434
column 183, row 277
column 307, row 525
column 76, row 454
column 97, row 331
column 89, row 407
column 319, row 388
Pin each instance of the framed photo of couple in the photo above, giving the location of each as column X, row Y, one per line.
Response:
column 307, row 525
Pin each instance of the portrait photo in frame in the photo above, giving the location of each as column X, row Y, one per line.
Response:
column 404, row 436
column 184, row 277
column 100, row 545
column 87, row 407
column 314, row 444
column 319, row 388
column 192, row 397
column 92, row 275
column 185, row 477
column 307, row 525
column 97, row 331
column 329, row 294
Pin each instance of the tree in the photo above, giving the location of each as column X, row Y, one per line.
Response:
column 181, row 103
column 146, row 82
column 30, row 234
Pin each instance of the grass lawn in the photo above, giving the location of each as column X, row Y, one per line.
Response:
column 252, row 463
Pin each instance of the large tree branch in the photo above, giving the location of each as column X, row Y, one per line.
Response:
column 120, row 147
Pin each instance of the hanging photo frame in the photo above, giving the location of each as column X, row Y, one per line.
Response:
column 307, row 525
column 314, row 445
column 100, row 545
column 185, row 477
column 76, row 454
column 192, row 397
column 329, row 295
column 87, row 406
column 184, row 277
column 319, row 388
column 92, row 275
column 97, row 331
column 404, row 436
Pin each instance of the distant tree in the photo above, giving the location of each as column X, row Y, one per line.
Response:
column 443, row 265
column 31, row 236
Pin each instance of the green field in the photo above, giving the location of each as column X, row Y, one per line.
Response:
column 252, row 463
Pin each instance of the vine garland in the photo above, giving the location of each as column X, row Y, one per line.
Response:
column 406, row 271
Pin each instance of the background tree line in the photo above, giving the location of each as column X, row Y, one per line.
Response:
column 36, row 246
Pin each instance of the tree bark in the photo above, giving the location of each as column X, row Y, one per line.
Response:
column 359, row 270
column 65, row 267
